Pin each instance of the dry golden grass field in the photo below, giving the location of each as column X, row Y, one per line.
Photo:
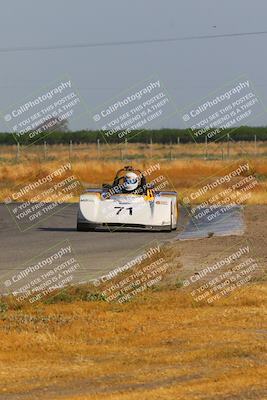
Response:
column 161, row 345
column 185, row 166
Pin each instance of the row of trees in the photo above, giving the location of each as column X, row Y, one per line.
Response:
column 244, row 133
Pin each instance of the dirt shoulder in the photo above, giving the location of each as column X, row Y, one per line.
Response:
column 196, row 253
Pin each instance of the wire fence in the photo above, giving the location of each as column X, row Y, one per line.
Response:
column 228, row 150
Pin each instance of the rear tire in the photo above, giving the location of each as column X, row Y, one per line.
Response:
column 171, row 228
column 175, row 227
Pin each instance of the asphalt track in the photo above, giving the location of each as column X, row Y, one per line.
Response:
column 99, row 252
column 96, row 251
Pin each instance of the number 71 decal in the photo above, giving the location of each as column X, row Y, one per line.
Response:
column 130, row 209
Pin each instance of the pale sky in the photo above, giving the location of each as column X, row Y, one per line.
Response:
column 189, row 69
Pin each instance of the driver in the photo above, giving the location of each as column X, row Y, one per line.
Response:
column 131, row 182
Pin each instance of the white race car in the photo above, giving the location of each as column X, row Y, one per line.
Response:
column 130, row 203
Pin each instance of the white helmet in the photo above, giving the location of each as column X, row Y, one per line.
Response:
column 130, row 181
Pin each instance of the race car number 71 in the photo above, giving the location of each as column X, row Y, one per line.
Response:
column 122, row 208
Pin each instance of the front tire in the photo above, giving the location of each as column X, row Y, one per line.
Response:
column 84, row 227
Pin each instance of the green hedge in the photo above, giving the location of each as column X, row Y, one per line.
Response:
column 243, row 133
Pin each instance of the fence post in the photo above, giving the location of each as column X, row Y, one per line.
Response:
column 206, row 148
column 98, row 148
column 126, row 145
column 18, row 152
column 70, row 150
column 45, row 150
column 170, row 151
column 228, row 146
column 255, row 145
column 151, row 148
